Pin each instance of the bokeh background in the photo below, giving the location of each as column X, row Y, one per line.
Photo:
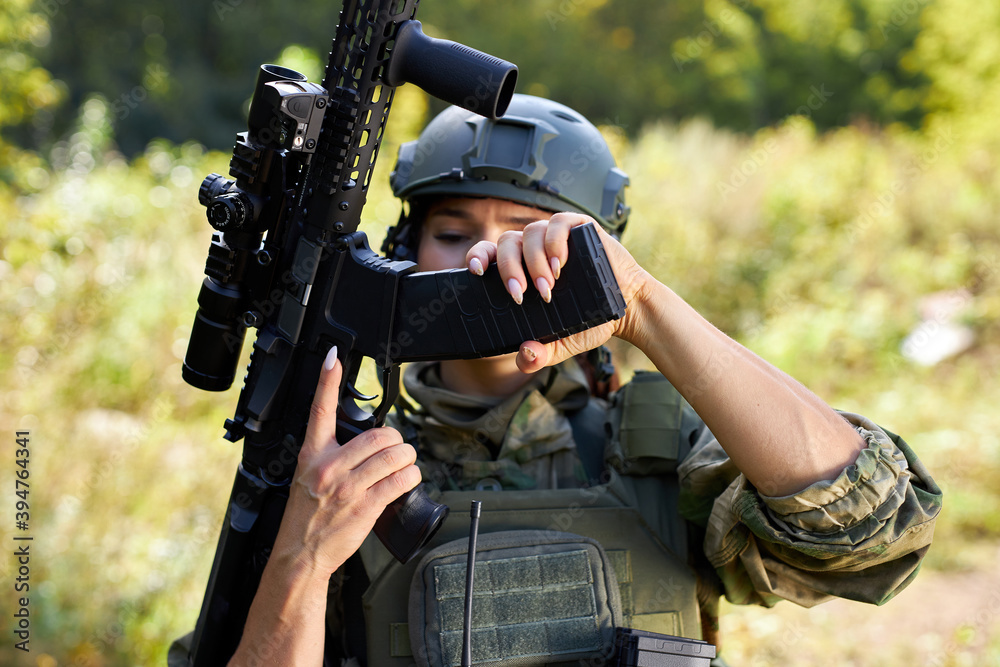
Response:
column 821, row 180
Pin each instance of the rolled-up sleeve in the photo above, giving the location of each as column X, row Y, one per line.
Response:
column 860, row 536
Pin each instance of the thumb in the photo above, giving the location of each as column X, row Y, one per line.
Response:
column 532, row 357
column 322, row 427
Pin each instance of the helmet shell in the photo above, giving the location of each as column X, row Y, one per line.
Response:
column 540, row 153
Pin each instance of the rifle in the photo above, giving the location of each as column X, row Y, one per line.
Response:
column 287, row 259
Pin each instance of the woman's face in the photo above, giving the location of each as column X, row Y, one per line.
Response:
column 454, row 225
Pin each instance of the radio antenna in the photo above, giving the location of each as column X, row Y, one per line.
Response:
column 470, row 569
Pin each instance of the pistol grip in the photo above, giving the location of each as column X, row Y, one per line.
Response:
column 409, row 522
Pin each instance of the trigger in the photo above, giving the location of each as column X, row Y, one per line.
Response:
column 357, row 395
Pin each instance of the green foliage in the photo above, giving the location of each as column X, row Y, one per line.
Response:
column 745, row 64
column 812, row 240
column 25, row 87
column 27, row 91
column 959, row 53
column 829, row 240
column 183, row 70
column 177, row 70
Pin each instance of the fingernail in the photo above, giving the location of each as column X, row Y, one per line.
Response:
column 554, row 263
column 543, row 288
column 514, row 288
column 476, row 266
column 528, row 353
column 331, row 359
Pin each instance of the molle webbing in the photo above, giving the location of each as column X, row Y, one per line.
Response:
column 537, row 595
column 547, row 613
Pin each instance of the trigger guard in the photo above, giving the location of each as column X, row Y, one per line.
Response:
column 353, row 418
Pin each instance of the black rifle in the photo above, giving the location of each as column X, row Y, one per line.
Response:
column 287, row 259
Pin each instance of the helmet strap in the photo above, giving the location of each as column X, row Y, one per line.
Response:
column 401, row 241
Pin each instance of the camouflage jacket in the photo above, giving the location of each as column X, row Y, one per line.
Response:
column 873, row 523
column 860, row 536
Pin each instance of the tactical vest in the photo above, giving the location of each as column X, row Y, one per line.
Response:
column 561, row 566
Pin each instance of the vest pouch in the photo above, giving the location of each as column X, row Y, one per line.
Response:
column 646, row 426
column 539, row 597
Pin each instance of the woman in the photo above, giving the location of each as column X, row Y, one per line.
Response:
column 750, row 486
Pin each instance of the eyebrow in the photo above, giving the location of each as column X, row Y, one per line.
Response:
column 462, row 214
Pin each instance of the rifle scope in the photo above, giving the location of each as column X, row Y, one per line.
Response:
column 236, row 257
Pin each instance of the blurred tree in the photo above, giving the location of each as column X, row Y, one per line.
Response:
column 179, row 70
column 959, row 52
column 184, row 69
column 743, row 63
column 27, row 91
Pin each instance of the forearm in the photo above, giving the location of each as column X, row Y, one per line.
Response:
column 286, row 621
column 777, row 432
column 334, row 500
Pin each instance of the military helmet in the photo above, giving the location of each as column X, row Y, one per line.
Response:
column 540, row 153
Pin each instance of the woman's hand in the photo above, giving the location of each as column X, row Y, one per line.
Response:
column 543, row 247
column 340, row 490
column 336, row 495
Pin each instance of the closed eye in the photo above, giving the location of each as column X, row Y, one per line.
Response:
column 450, row 237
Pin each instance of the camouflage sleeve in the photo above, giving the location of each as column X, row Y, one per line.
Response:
column 860, row 536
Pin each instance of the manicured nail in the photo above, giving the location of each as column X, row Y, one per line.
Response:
column 543, row 288
column 476, row 266
column 331, row 359
column 554, row 263
column 514, row 288
column 528, row 353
